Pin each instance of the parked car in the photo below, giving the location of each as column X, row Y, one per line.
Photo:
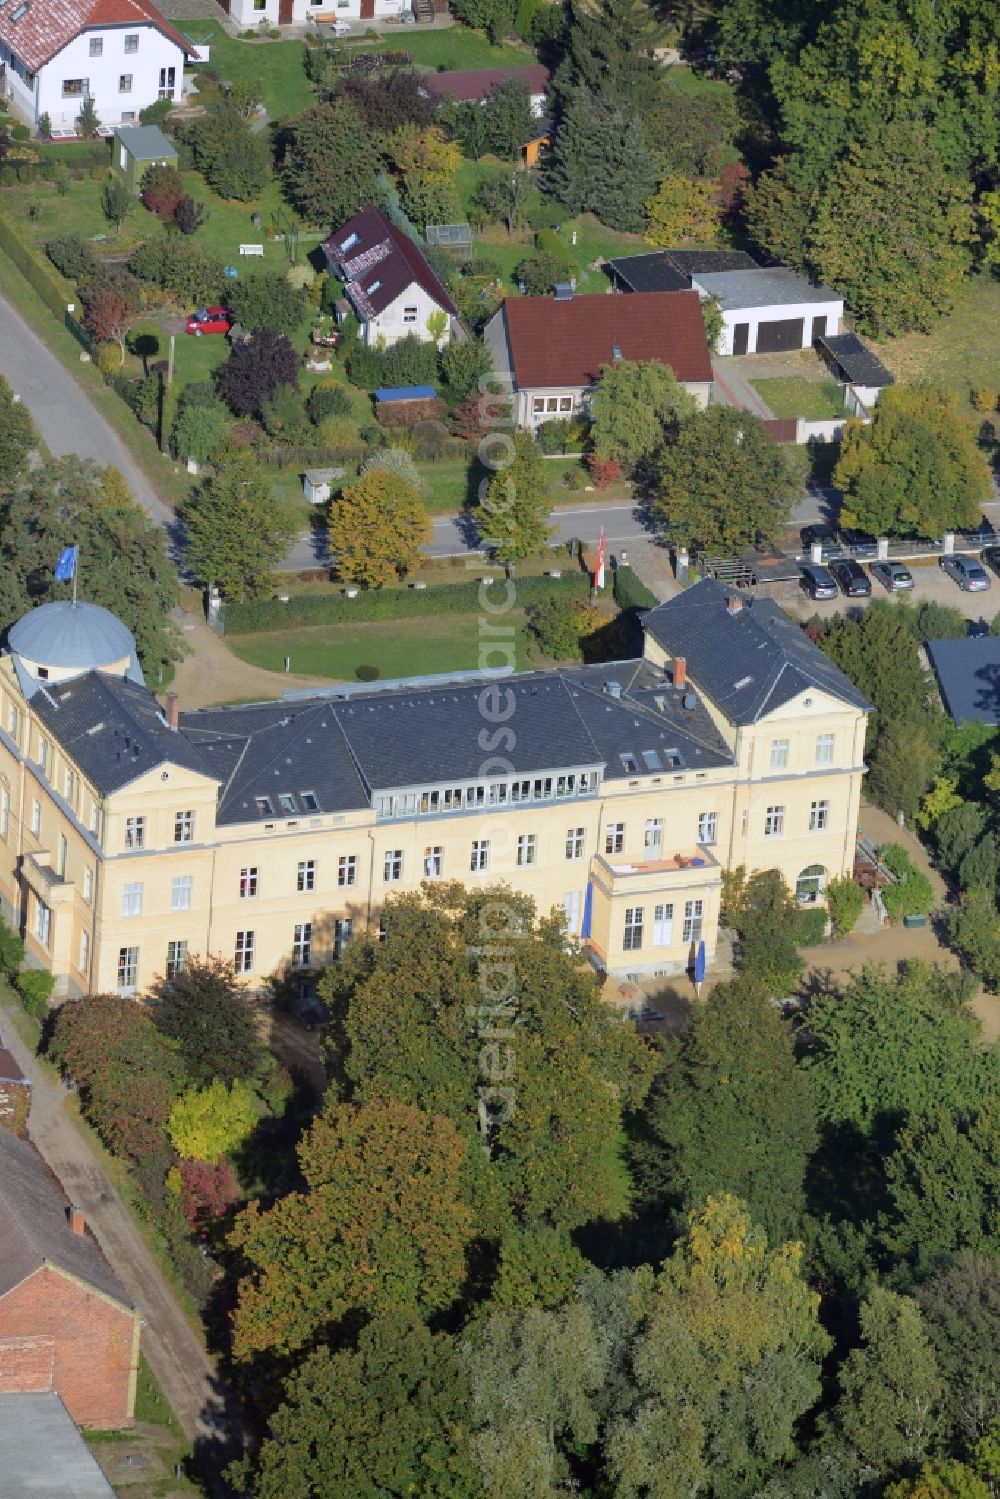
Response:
column 991, row 556
column 969, row 574
column 852, row 577
column 210, row 320
column 858, row 544
column 817, row 582
column 823, row 537
column 893, row 576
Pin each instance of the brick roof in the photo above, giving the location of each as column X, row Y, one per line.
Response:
column 34, row 1226
column 47, row 26
column 379, row 263
column 566, row 343
column 467, row 84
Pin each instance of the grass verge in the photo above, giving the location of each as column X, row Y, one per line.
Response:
column 791, row 396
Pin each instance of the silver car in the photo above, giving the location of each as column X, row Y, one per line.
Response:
column 969, row 574
column 893, row 576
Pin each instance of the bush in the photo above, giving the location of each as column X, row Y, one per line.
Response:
column 161, row 190
column 35, row 987
column 914, row 894
column 812, row 926
column 54, row 290
column 254, row 615
column 574, row 478
column 844, row 901
column 367, row 673
column 604, row 471
column 630, row 592
column 556, row 626
column 328, row 400
column 11, row 950
column 156, row 114
column 984, row 399
column 551, row 436
column 71, row 256
column 395, row 461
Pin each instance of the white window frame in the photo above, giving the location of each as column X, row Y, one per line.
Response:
column 180, row 892
column 614, row 838
column 774, row 822
column 36, row 818
column 434, row 861
column 819, row 816
column 479, row 862
column 184, row 827
column 575, row 838
column 302, row 944
column 573, row 910
column 635, row 921
column 708, row 828
column 527, row 850
column 132, row 898
column 249, row 881
column 88, row 885
column 343, row 931
column 244, row 951
column 128, row 970
column 305, row 876
column 663, row 924
column 135, row 832
column 95, row 46
column 694, row 918
column 826, row 745
column 779, row 754
column 653, row 837
column 177, row 957
column 4, row 809
column 43, row 922
column 84, row 963
column 347, row 870
column 392, row 866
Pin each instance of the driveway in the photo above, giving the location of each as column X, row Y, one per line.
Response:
column 187, row 1374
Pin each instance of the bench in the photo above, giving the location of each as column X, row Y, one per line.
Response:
column 251, row 249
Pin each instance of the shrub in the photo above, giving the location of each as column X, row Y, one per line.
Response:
column 108, row 358
column 844, row 901
column 574, row 478
column 914, row 894
column 337, row 431
column 367, row 673
column 35, row 987
column 604, row 471
column 256, row 370
column 45, row 125
column 555, row 625
column 161, row 190
column 812, row 926
column 551, row 436
column 630, row 592
column 395, row 461
column 984, row 399
column 328, row 400
column 11, row 950
column 71, row 256
column 189, row 215
column 156, row 114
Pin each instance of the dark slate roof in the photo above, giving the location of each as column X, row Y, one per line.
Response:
column 34, row 1225
column 671, row 270
column 748, row 662
column 44, row 1455
column 650, row 716
column 968, row 675
column 275, row 749
column 113, row 729
column 377, row 262
column 854, row 361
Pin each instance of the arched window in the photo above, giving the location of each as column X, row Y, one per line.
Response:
column 810, row 885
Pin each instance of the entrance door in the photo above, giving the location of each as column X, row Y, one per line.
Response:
column 741, row 338
column 367, row 10
column 779, row 336
column 168, row 79
column 819, row 327
column 285, row 12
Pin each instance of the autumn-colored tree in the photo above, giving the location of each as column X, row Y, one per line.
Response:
column 110, row 305
column 161, row 189
column 683, row 208
column 946, row 1479
column 376, row 528
column 382, row 1224
column 207, row 1123
column 207, row 1191
column 915, row 469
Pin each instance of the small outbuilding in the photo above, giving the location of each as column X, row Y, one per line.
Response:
column 317, row 483
column 406, row 405
column 138, row 147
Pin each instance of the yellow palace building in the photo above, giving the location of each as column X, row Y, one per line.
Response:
column 134, row 835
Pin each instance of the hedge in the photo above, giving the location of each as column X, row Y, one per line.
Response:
column 311, row 457
column 393, row 603
column 54, row 290
column 630, row 592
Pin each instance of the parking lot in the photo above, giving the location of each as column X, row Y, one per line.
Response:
column 929, row 582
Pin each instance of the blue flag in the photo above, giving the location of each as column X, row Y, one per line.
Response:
column 66, row 566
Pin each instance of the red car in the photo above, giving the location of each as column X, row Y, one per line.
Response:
column 210, row 320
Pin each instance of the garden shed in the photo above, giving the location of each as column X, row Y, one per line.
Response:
column 138, row 147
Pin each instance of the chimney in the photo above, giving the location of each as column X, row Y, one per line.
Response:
column 734, row 603
column 78, row 1220
column 680, row 670
column 173, row 711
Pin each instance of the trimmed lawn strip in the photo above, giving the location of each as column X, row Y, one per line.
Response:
column 790, row 396
column 424, row 646
column 450, row 49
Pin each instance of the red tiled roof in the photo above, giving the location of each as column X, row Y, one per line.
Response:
column 380, row 263
column 476, row 83
column 47, row 26
column 565, row 343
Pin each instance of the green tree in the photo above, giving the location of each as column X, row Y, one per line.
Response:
column 844, row 901
column 387, row 1421
column 727, row 1363
column 907, row 267
column 495, row 17
column 690, row 132
column 890, row 1387
column 199, row 431
column 722, row 483
column 961, row 1307
column 555, row 624
column 731, row 1112
column 72, row 501
column 609, row 53
column 600, row 162
column 683, row 208
column 886, row 1048
column 512, row 518
column 504, row 197
column 940, row 1480
column 236, row 528
column 763, row 912
column 463, row 365
column 207, row 1123
column 267, row 300
column 944, row 1184
column 636, row 410
column 400, row 1027
column 915, row 469
column 117, row 202
column 376, row 528
column 330, row 164
column 234, row 160
column 974, row 929
column 17, row 435
column 381, row 1225
column 534, row 1375
column 508, row 120
column 207, row 1012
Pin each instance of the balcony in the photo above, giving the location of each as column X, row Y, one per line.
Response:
column 678, row 871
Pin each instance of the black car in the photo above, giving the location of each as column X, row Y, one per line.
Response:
column 817, row 582
column 852, row 578
column 822, row 537
column 858, row 544
column 991, row 557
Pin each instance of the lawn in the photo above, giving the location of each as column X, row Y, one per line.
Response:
column 418, row 647
column 962, row 351
column 791, row 396
column 594, row 240
column 278, row 66
column 452, row 48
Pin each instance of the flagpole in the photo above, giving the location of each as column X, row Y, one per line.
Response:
column 76, row 567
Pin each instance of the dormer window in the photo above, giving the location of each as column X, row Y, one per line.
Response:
column 21, row 11
column 348, row 243
column 374, row 287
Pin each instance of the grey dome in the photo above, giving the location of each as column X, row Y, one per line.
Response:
column 78, row 636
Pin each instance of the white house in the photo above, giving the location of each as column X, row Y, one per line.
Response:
column 769, row 311
column 298, row 12
column 55, row 54
column 388, row 281
column 549, row 351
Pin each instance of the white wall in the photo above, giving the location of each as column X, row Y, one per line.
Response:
column 525, row 414
column 247, row 14
column 155, row 51
column 833, row 311
column 397, row 320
